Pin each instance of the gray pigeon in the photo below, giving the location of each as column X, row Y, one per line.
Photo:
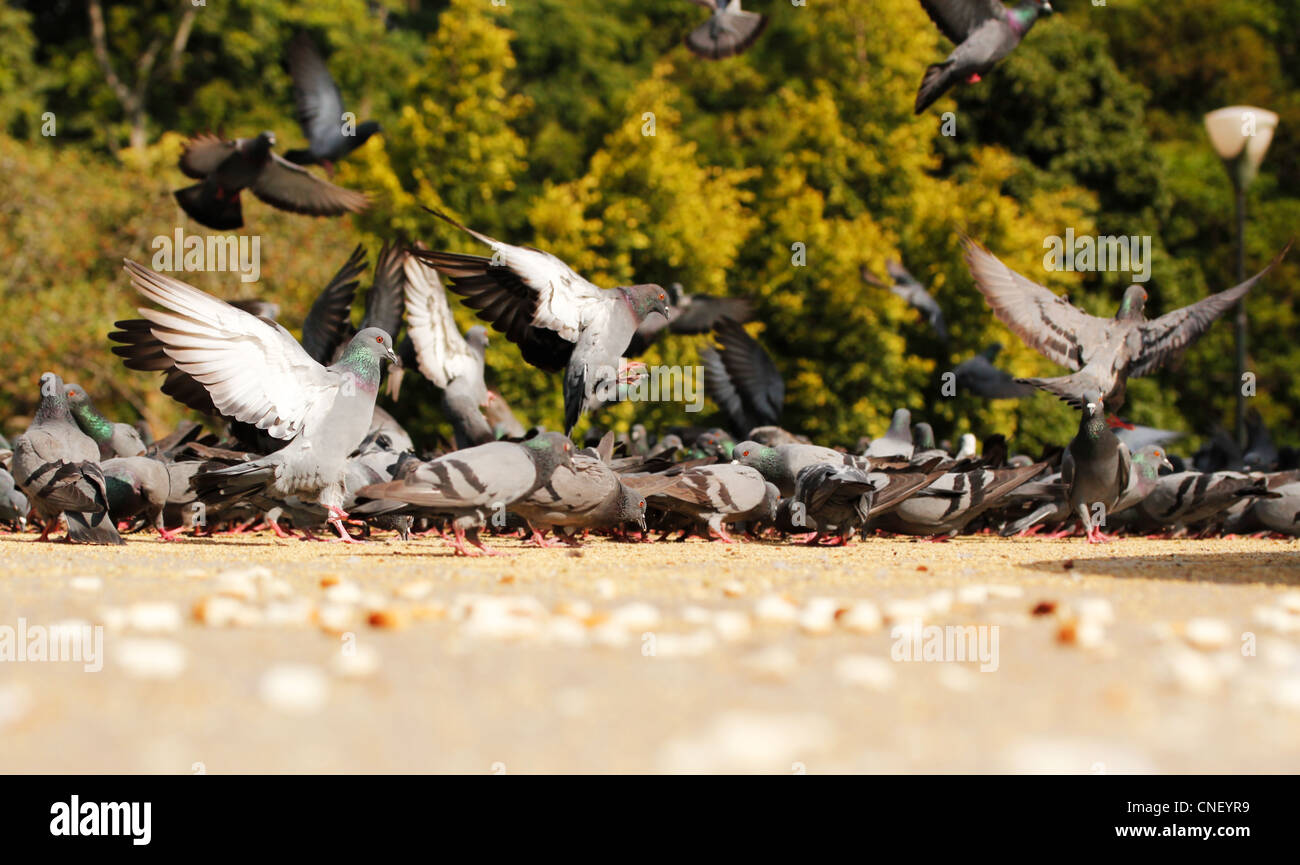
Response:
column 138, row 487
column 558, row 319
column 587, row 495
column 477, row 483
column 896, row 443
column 113, row 439
column 1190, row 498
column 13, row 504
column 1278, row 512
column 454, row 363
column 689, row 314
column 225, row 168
column 911, row 290
column 979, row 376
column 835, row 501
column 728, row 32
column 57, row 467
column 714, row 495
column 502, row 419
column 257, row 373
column 1105, row 352
column 1052, row 494
column 741, row 378
column 1095, row 469
column 947, row 505
column 984, row 32
column 781, row 464
column 319, row 109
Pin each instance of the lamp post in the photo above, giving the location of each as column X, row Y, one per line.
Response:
column 1241, row 136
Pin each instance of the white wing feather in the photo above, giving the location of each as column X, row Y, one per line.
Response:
column 255, row 372
column 439, row 345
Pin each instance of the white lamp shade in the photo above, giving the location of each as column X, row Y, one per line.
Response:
column 1241, row 126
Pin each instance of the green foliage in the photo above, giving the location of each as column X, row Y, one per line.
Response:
column 528, row 121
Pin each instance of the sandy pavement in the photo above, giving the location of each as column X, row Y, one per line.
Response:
column 248, row 654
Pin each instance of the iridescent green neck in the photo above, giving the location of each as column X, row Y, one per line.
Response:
column 92, row 423
column 363, row 364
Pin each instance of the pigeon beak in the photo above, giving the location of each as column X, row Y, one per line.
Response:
column 640, row 521
column 1092, row 408
column 394, row 359
column 1167, row 464
column 1047, row 8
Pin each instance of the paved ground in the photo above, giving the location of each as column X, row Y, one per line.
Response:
column 257, row 655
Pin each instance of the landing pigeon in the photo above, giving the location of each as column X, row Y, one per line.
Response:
column 257, row 373
column 319, row 109
column 558, row 319
column 984, row 31
column 728, row 32
column 56, row 466
column 1104, row 351
column 226, row 168
column 742, row 378
column 454, row 363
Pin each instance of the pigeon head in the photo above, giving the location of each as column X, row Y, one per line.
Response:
column 646, row 299
column 751, row 453
column 477, row 337
column 1093, row 406
column 367, row 129
column 631, row 506
column 1151, row 459
column 992, row 351
column 375, row 342
column 1134, row 303
column 549, row 451
column 258, row 147
column 92, row 423
column 923, row 436
column 54, row 402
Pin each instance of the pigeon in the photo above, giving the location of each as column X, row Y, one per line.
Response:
column 896, row 443
column 319, row 109
column 979, row 376
column 1095, row 469
column 13, row 504
column 1261, row 454
column 257, row 373
column 113, row 439
column 226, row 168
column 1138, row 437
column 688, row 314
column 947, row 505
column 741, row 378
column 781, row 465
column 1053, row 495
column 984, row 32
column 728, row 32
column 1105, row 352
column 714, row 495
column 911, row 290
column 1189, row 498
column 454, row 363
column 558, row 319
column 1278, row 512
column 502, row 420
column 836, row 501
column 588, row 495
column 138, row 487
column 56, row 466
column 476, row 483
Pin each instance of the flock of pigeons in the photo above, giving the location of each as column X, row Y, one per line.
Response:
column 299, row 444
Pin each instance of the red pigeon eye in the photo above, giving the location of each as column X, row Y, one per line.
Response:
column 642, row 504
column 745, row 454
column 379, row 339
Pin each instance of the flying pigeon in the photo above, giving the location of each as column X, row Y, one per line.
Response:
column 319, row 108
column 984, row 31
column 1105, row 352
column 454, row 363
column 978, row 375
column 56, row 466
column 911, row 290
column 257, row 373
column 113, row 439
column 896, row 443
column 477, row 483
column 741, row 378
column 714, row 495
column 587, row 495
column 689, row 314
column 558, row 319
column 226, row 168
column 728, row 32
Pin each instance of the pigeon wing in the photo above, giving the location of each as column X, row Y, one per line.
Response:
column 295, row 189
column 439, row 345
column 329, row 321
column 203, row 154
column 317, row 102
column 958, row 19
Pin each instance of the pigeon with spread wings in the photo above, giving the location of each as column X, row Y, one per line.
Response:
column 1103, row 351
column 225, row 168
column 728, row 32
column 256, row 372
column 319, row 109
column 558, row 319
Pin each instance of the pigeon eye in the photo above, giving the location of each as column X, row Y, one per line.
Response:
column 379, row 339
column 745, row 454
column 641, row 504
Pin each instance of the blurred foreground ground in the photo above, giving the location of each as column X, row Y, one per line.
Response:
column 247, row 654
